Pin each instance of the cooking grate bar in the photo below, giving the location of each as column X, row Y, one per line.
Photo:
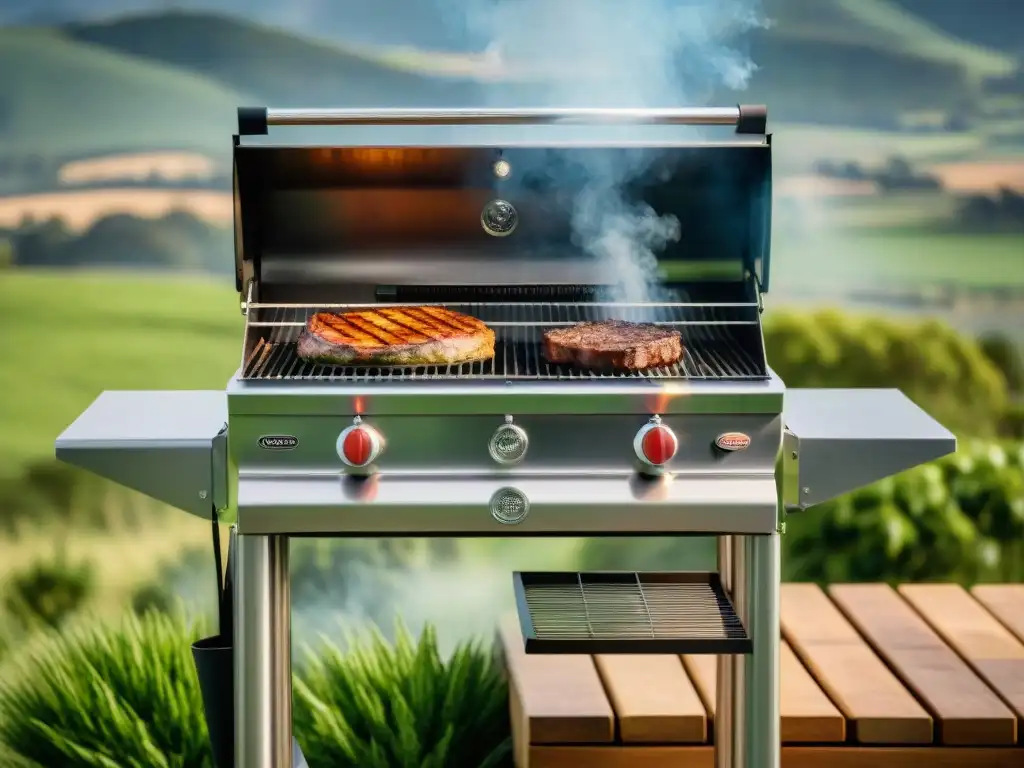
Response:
column 627, row 612
column 721, row 341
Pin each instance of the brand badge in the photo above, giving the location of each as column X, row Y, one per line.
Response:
column 733, row 441
column 278, row 442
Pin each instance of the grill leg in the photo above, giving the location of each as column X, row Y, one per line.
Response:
column 726, row 672
column 263, row 683
column 758, row 730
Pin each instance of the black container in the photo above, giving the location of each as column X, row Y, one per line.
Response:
column 215, row 662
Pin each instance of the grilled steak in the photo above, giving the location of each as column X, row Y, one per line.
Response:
column 615, row 345
column 395, row 336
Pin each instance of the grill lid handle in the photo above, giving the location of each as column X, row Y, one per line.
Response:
column 748, row 119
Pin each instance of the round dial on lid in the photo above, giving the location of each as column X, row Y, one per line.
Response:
column 655, row 444
column 359, row 444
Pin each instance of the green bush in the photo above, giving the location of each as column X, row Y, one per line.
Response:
column 403, row 706
column 104, row 696
column 945, row 373
column 48, row 591
column 960, row 518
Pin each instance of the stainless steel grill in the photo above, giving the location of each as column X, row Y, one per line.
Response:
column 721, row 341
column 483, row 449
column 624, row 612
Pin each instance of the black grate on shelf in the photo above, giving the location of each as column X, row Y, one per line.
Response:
column 627, row 612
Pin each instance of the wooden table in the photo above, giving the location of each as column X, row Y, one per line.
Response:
column 926, row 675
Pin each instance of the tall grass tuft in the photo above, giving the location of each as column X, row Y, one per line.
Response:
column 101, row 696
column 378, row 705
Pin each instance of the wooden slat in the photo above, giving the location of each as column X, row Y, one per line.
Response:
column 653, row 699
column 966, row 710
column 807, row 714
column 989, row 647
column 792, row 757
column 556, row 699
column 1006, row 603
column 879, row 709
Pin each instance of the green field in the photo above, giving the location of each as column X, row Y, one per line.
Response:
column 67, row 337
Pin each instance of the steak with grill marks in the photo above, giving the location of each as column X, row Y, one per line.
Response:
column 615, row 345
column 395, row 336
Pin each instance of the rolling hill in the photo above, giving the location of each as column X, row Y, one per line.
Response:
column 171, row 80
column 275, row 66
column 71, row 98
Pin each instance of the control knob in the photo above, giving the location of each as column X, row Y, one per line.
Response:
column 359, row 444
column 508, row 443
column 655, row 444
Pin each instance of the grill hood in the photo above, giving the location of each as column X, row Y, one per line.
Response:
column 406, row 208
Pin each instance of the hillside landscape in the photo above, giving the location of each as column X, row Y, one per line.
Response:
column 171, row 80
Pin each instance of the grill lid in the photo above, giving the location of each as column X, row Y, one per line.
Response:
column 351, row 216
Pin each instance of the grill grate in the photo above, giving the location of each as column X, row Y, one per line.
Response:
column 721, row 341
column 627, row 612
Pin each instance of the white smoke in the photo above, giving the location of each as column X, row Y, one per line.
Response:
column 612, row 53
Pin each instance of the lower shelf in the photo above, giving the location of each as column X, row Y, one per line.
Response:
column 627, row 612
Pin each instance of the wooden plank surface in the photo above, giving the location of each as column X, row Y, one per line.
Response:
column 653, row 699
column 878, row 707
column 557, row 699
column 792, row 757
column 967, row 712
column 807, row 714
column 974, row 633
column 1005, row 602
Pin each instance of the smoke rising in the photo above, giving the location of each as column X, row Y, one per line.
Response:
column 610, row 53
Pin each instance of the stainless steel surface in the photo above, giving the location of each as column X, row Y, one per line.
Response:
column 263, row 685
column 559, row 444
column 725, row 683
column 721, row 341
column 394, row 397
column 525, row 116
column 449, row 504
column 739, row 563
column 171, row 446
column 839, row 440
column 760, row 733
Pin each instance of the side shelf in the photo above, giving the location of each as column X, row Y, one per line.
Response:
column 169, row 445
column 839, row 440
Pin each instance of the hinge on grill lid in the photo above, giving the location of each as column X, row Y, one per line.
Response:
column 752, row 276
column 244, row 304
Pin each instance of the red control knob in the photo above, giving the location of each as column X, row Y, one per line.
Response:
column 655, row 444
column 359, row 444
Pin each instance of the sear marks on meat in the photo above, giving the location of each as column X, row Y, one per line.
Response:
column 395, row 336
column 614, row 345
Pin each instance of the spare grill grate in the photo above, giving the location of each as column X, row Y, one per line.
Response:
column 627, row 612
column 721, row 342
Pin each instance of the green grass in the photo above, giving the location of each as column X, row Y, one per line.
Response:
column 890, row 258
column 60, row 97
column 68, row 336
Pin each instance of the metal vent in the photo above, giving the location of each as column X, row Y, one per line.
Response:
column 627, row 612
column 508, row 444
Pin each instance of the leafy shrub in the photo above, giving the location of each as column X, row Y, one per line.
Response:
column 106, row 696
column 153, row 597
column 48, row 592
column 403, row 706
column 1006, row 356
column 960, row 518
column 945, row 373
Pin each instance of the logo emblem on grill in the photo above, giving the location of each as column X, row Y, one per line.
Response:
column 733, row 441
column 509, row 506
column 499, row 218
column 278, row 442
